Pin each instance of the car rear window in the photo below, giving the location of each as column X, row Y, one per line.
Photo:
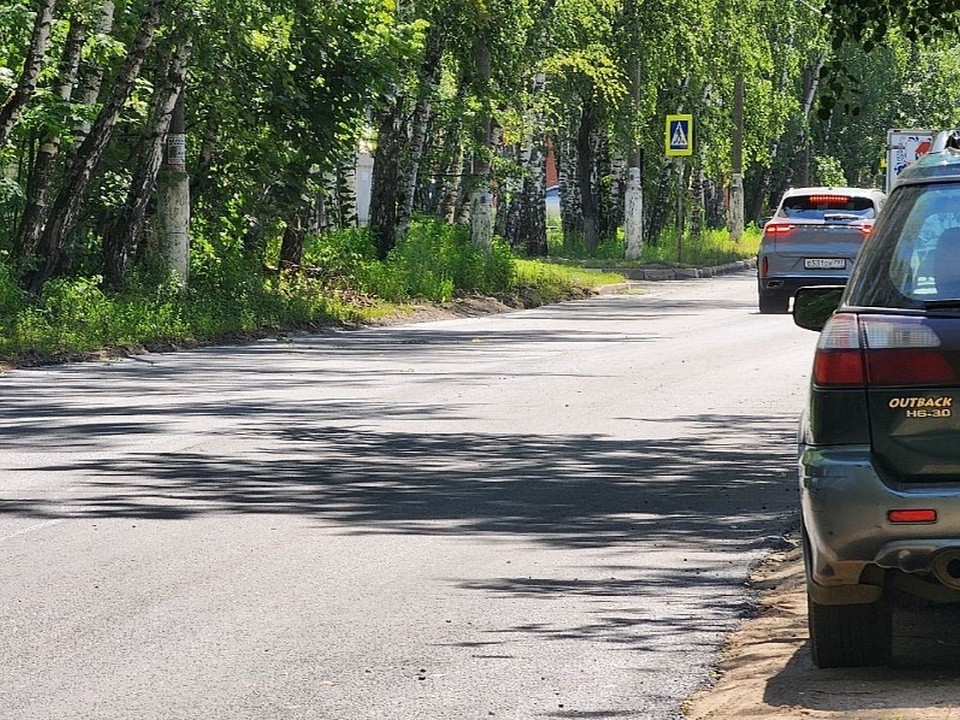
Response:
column 913, row 255
column 827, row 206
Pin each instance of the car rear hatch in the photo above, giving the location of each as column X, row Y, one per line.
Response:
column 912, row 373
column 820, row 232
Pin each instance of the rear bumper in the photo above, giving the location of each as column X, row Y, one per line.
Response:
column 845, row 504
column 788, row 286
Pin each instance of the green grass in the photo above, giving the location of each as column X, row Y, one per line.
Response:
column 228, row 297
column 712, row 247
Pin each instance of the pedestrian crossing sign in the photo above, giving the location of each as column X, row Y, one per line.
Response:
column 679, row 136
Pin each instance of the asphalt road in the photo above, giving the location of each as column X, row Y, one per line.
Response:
column 544, row 514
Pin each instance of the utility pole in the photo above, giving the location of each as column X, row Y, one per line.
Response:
column 736, row 219
column 173, row 198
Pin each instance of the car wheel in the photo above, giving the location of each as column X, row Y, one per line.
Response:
column 850, row 635
column 773, row 303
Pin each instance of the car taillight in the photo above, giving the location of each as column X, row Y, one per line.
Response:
column 778, row 230
column 879, row 351
column 904, row 351
column 764, row 266
column 839, row 361
column 865, row 229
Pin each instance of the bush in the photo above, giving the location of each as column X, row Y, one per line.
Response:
column 435, row 259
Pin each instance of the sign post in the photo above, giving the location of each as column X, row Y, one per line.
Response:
column 678, row 143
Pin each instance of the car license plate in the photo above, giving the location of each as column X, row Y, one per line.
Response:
column 824, row 263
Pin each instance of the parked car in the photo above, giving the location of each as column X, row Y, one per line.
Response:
column 812, row 239
column 879, row 442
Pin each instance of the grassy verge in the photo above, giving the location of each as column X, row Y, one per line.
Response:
column 712, row 247
column 341, row 283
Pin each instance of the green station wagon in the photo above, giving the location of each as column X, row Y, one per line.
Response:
column 879, row 442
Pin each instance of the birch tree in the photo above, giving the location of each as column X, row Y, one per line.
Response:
column 18, row 98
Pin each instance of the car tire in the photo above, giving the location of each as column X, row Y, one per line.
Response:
column 850, row 635
column 770, row 303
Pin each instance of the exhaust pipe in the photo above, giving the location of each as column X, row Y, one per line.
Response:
column 946, row 566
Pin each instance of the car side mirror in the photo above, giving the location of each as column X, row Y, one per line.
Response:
column 813, row 306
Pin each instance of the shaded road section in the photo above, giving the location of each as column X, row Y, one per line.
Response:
column 545, row 514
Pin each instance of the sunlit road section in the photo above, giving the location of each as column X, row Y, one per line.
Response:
column 542, row 514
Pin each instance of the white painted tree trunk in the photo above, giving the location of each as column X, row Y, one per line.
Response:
column 633, row 212
column 736, row 207
column 173, row 214
column 173, row 201
column 481, row 218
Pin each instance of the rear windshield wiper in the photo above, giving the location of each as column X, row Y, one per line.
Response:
column 840, row 216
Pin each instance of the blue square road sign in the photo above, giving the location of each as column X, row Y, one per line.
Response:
column 679, row 135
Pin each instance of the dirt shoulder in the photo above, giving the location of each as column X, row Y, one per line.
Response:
column 765, row 670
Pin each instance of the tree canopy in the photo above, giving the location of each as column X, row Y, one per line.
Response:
column 463, row 103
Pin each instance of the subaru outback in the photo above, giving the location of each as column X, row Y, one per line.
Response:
column 879, row 441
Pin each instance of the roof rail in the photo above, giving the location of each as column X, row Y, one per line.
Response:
column 946, row 139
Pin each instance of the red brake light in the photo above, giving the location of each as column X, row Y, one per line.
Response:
column 778, row 229
column 829, row 199
column 839, row 360
column 838, row 367
column 905, row 351
column 908, row 367
column 865, row 230
column 912, row 516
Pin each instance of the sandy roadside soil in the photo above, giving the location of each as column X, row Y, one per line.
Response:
column 765, row 670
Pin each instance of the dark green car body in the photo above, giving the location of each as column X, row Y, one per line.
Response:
column 879, row 442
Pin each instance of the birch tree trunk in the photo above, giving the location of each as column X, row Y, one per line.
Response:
column 33, row 62
column 429, row 78
column 346, row 181
column 660, row 206
column 66, row 208
column 616, row 193
column 527, row 223
column 386, row 178
column 571, row 212
column 481, row 195
column 812, row 84
column 697, row 200
column 91, row 78
column 122, row 240
column 450, row 183
column 585, row 166
column 41, row 179
column 532, row 233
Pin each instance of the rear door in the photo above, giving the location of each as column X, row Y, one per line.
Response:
column 821, row 233
column 910, row 335
column 913, row 395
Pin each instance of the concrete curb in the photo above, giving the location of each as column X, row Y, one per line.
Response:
column 653, row 274
column 685, row 273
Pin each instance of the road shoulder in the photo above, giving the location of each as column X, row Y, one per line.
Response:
column 765, row 670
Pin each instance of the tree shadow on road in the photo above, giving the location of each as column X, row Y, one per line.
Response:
column 567, row 491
